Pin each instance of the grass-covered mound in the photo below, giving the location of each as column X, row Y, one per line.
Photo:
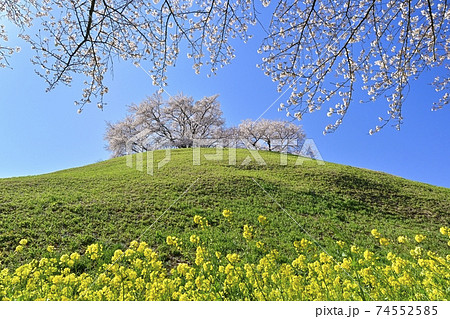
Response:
column 112, row 204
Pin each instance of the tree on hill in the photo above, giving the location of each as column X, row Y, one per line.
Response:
column 271, row 135
column 124, row 137
column 181, row 123
column 320, row 49
column 155, row 123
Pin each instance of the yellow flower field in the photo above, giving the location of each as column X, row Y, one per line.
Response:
column 138, row 273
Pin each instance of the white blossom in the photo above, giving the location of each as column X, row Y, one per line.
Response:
column 272, row 135
column 318, row 48
column 173, row 123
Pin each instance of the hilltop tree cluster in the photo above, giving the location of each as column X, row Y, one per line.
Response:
column 181, row 122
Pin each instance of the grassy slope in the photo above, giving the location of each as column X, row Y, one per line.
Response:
column 111, row 203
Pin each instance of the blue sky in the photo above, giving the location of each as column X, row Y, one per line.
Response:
column 41, row 132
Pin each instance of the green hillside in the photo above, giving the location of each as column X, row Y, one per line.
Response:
column 113, row 204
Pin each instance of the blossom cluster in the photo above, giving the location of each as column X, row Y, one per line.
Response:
column 322, row 49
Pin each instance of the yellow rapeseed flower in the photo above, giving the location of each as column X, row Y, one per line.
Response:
column 262, row 219
column 233, row 258
column 142, row 246
column 325, row 258
column 23, row 242
column 197, row 219
column 444, row 230
column 311, row 276
column 375, row 233
column 117, row 255
column 170, row 240
column 50, row 248
column 419, row 238
column 416, row 252
column 227, row 213
column 94, row 251
column 354, row 249
column 402, row 239
column 346, row 263
column 302, row 244
column 248, row 232
column 340, row 243
column 134, row 245
column 64, row 258
column 74, row 256
column 384, row 241
column 19, row 248
column 201, row 221
column 194, row 239
column 200, row 256
column 368, row 255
